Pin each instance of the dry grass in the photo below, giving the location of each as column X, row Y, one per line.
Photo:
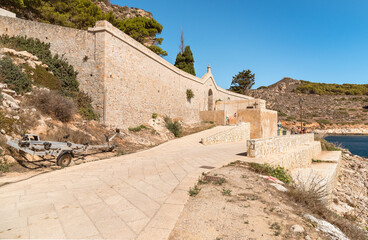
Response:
column 53, row 104
column 75, row 136
column 312, row 195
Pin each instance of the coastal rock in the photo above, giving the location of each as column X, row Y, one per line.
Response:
column 326, row 227
column 342, row 131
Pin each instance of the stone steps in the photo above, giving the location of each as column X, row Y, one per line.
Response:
column 299, row 157
column 328, row 156
column 321, row 174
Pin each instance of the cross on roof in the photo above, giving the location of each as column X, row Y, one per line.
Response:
column 255, row 105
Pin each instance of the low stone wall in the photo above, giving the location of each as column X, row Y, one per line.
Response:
column 6, row 13
column 290, row 152
column 236, row 134
column 282, row 144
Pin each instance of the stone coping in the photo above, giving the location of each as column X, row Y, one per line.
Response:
column 105, row 26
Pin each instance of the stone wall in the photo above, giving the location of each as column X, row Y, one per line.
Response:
column 263, row 122
column 127, row 81
column 6, row 13
column 236, row 134
column 138, row 83
column 282, row 144
column 293, row 151
column 217, row 117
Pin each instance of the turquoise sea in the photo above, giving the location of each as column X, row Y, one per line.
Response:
column 356, row 144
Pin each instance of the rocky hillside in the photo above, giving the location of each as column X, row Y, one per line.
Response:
column 122, row 12
column 319, row 110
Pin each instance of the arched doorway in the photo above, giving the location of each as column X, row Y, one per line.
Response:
column 210, row 100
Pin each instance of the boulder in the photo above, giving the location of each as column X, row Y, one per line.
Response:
column 10, row 101
column 330, row 230
column 279, row 187
column 9, row 159
column 9, row 51
column 3, row 85
column 297, row 228
column 25, row 54
column 8, row 91
column 31, row 63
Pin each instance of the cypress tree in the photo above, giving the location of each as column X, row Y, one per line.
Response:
column 185, row 61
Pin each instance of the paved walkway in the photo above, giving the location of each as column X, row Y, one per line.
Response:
column 137, row 196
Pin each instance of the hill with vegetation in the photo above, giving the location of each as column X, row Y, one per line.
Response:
column 83, row 14
column 324, row 105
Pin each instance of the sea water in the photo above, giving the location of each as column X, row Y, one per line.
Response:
column 356, row 144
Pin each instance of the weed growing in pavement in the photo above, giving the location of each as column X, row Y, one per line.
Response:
column 194, row 191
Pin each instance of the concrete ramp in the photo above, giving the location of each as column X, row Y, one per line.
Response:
column 238, row 133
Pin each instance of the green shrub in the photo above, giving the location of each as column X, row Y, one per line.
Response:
column 4, row 166
column 14, row 77
column 280, row 114
column 333, row 89
column 137, row 129
column 41, row 77
column 190, row 94
column 173, row 127
column 7, row 123
column 327, row 146
column 277, row 172
column 290, row 118
column 61, row 69
column 323, row 122
column 85, row 109
column 154, row 115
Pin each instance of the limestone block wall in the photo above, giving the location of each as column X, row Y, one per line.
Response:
column 235, row 134
column 263, row 122
column 127, row 81
column 290, row 152
column 281, row 144
column 217, row 117
column 138, row 83
column 6, row 13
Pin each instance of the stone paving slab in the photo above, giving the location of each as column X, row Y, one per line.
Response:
column 137, row 196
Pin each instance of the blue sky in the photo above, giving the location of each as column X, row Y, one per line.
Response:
column 313, row 40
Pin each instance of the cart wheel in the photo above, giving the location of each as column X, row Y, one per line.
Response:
column 64, row 159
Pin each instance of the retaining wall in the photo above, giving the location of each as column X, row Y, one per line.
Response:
column 293, row 151
column 6, row 13
column 127, row 81
column 236, row 134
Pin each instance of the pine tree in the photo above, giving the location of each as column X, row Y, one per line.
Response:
column 242, row 81
column 185, row 61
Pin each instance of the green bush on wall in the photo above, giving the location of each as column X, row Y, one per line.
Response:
column 190, row 94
